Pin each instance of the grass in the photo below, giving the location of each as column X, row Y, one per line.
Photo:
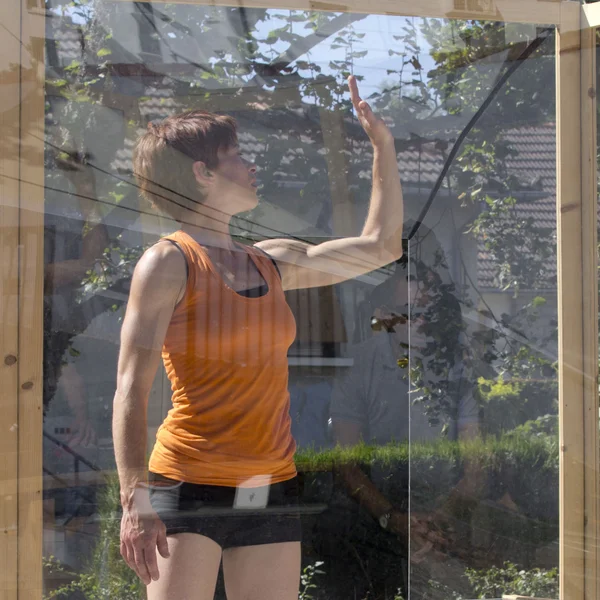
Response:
column 532, row 451
column 107, row 576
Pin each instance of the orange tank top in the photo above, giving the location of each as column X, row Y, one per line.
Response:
column 226, row 358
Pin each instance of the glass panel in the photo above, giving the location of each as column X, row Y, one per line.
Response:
column 422, row 393
column 480, row 353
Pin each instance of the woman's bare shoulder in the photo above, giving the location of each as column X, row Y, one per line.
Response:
column 160, row 271
column 162, row 258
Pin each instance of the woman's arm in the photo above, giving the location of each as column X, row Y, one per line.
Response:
column 304, row 265
column 158, row 283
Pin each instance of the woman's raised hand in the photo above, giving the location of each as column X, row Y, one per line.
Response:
column 374, row 127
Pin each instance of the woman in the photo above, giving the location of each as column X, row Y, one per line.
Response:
column 222, row 476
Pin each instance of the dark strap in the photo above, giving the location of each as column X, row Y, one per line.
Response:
column 270, row 258
column 263, row 289
column 187, row 267
column 275, row 265
column 256, row 292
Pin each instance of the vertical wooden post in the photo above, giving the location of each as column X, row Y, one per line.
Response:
column 9, row 292
column 31, row 279
column 577, row 305
column 589, row 237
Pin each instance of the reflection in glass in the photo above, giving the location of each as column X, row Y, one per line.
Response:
column 434, row 375
column 479, row 500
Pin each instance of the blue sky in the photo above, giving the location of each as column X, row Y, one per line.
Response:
column 378, row 38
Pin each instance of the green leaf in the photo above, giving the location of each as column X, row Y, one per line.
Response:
column 57, row 82
column 75, row 64
column 104, row 52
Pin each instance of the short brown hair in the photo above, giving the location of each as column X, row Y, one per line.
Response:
column 163, row 157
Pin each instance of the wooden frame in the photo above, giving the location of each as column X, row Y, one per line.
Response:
column 31, row 289
column 517, row 11
column 21, row 239
column 570, row 337
column 9, row 290
column 589, row 237
column 577, row 304
column 522, row 598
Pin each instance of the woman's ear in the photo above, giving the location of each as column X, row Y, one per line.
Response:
column 202, row 175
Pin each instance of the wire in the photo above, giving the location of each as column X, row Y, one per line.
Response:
column 11, row 33
column 167, row 189
column 152, row 24
column 85, row 197
column 345, row 258
column 344, row 255
column 278, row 232
column 529, row 50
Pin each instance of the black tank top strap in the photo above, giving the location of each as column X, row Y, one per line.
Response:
column 174, row 242
column 270, row 258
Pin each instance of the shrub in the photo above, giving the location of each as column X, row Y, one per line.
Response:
column 306, row 580
column 525, row 462
column 510, row 579
column 106, row 576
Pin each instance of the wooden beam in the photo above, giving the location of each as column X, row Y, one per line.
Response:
column 522, row 598
column 9, row 294
column 31, row 277
column 589, row 237
column 515, row 11
column 577, row 309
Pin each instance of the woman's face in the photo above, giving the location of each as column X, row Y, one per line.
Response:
column 234, row 186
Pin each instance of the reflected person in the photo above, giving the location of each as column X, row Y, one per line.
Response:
column 221, row 485
column 75, row 238
column 371, row 404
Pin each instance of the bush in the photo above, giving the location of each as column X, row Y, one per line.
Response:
column 510, row 579
column 506, row 580
column 106, row 576
column 509, row 404
column 524, row 463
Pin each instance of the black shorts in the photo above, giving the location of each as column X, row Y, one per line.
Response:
column 231, row 517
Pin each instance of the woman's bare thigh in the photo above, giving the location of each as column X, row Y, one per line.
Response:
column 263, row 572
column 190, row 572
